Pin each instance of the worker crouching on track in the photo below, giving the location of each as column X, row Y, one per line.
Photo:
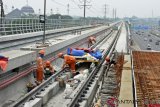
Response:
column 108, row 61
column 92, row 41
column 40, row 67
column 70, row 61
column 48, row 69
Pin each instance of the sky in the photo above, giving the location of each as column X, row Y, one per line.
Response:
column 125, row 8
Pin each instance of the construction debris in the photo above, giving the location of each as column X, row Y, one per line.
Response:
column 111, row 84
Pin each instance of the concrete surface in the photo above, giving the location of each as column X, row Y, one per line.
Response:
column 37, row 102
column 15, row 90
column 107, row 43
column 56, row 101
column 89, row 96
column 49, row 92
column 17, row 41
column 34, row 34
column 57, row 62
column 121, row 45
column 18, row 58
column 135, row 46
column 126, row 92
column 62, row 42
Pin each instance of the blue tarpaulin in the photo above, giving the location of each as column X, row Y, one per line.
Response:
column 75, row 52
column 96, row 54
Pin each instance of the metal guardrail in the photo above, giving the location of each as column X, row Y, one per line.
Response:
column 133, row 82
column 11, row 26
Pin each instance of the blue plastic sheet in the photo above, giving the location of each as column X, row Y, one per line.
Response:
column 75, row 52
column 96, row 54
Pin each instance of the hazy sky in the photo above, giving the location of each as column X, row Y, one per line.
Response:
column 140, row 8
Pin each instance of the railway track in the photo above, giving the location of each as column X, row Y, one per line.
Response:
column 29, row 40
column 38, row 89
column 11, row 74
column 80, row 96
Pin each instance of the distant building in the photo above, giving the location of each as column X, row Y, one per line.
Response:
column 16, row 13
column 25, row 11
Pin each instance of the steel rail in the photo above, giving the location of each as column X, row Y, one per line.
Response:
column 15, row 77
column 133, row 83
column 38, row 89
column 74, row 101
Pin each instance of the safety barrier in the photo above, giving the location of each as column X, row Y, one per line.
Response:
column 11, row 26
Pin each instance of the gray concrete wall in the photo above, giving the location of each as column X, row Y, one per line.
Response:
column 14, row 41
column 15, row 90
column 19, row 58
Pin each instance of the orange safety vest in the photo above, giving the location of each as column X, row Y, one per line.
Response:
column 71, row 61
column 3, row 65
column 39, row 69
column 92, row 39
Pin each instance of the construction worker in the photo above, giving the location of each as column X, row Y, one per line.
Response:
column 70, row 61
column 40, row 68
column 48, row 69
column 92, row 40
column 108, row 61
column 3, row 63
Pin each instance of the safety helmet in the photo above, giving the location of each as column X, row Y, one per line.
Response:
column 107, row 59
column 60, row 55
column 91, row 38
column 48, row 63
column 42, row 52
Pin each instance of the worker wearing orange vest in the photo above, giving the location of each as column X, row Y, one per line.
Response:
column 40, row 68
column 108, row 61
column 92, row 40
column 3, row 63
column 70, row 61
column 49, row 70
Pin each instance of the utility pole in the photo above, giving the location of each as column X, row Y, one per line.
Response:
column 105, row 11
column 27, row 2
column 44, row 26
column 152, row 14
column 51, row 11
column 39, row 10
column 68, row 9
column 115, row 14
column 2, row 13
column 2, row 10
column 57, row 9
column 84, row 7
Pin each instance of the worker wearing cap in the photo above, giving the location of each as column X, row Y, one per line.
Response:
column 92, row 40
column 69, row 60
column 48, row 69
column 40, row 68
